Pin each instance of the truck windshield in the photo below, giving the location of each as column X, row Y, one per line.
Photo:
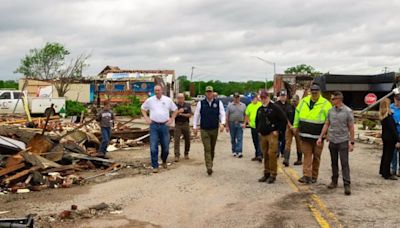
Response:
column 6, row 95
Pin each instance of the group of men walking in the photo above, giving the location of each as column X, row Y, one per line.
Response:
column 273, row 126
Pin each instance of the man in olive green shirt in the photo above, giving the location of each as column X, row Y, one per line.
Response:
column 250, row 118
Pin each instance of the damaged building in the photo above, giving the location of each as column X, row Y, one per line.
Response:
column 356, row 87
column 117, row 84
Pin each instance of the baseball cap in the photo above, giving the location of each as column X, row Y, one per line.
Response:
column 263, row 94
column 315, row 88
column 209, row 89
column 283, row 93
column 236, row 94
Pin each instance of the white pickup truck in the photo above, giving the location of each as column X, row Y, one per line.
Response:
column 10, row 99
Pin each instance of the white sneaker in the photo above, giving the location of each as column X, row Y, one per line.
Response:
column 235, row 154
column 240, row 155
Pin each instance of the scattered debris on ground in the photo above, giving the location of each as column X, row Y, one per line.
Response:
column 54, row 153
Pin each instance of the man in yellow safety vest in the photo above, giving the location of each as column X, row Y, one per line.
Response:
column 310, row 116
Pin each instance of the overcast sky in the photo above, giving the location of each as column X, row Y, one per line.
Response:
column 219, row 38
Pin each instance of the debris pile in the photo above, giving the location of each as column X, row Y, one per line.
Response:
column 28, row 170
column 74, row 213
column 32, row 159
column 370, row 137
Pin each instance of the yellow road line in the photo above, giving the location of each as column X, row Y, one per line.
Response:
column 294, row 187
column 318, row 217
column 322, row 206
column 291, row 174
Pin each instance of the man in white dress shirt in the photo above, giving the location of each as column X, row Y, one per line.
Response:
column 159, row 107
column 211, row 114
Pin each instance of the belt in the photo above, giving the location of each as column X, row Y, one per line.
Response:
column 177, row 122
column 236, row 121
column 158, row 123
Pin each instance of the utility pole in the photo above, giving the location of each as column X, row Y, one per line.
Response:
column 191, row 75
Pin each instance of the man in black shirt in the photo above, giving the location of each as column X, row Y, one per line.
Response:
column 269, row 120
column 182, row 126
column 285, row 106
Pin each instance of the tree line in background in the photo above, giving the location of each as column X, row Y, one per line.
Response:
column 9, row 84
column 228, row 88
column 223, row 88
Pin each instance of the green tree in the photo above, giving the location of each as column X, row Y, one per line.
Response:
column 9, row 84
column 184, row 83
column 302, row 69
column 49, row 63
column 223, row 88
column 270, row 84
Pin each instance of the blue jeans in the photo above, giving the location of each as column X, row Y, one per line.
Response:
column 256, row 142
column 159, row 134
column 236, row 132
column 105, row 139
column 394, row 161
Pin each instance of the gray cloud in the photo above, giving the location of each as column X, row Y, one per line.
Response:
column 218, row 37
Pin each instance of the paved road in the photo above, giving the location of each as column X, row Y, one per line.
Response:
column 184, row 196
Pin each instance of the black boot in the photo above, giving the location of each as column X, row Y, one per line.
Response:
column 286, row 156
column 332, row 185
column 271, row 179
column 305, row 180
column 264, row 178
column 347, row 190
column 299, row 158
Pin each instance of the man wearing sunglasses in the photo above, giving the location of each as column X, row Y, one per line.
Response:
column 340, row 128
column 210, row 113
column 310, row 117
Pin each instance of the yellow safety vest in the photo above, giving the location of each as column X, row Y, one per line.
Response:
column 311, row 121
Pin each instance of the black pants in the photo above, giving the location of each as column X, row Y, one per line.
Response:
column 387, row 155
column 340, row 150
column 282, row 140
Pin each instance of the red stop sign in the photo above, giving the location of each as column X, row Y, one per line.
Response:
column 370, row 99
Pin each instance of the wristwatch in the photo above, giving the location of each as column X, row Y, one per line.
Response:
column 352, row 142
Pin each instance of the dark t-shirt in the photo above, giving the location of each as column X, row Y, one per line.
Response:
column 270, row 118
column 186, row 109
column 286, row 108
column 291, row 113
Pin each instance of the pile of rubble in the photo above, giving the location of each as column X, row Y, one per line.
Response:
column 370, row 137
column 32, row 159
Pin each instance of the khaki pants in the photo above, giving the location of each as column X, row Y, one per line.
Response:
column 289, row 137
column 209, row 139
column 181, row 129
column 269, row 148
column 312, row 155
